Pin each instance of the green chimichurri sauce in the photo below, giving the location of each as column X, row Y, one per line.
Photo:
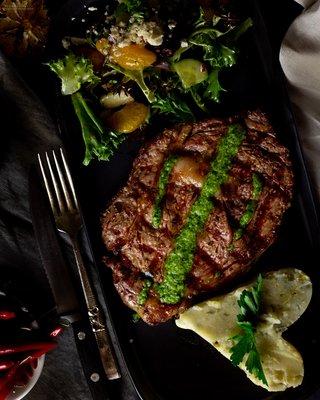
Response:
column 143, row 295
column 251, row 207
column 162, row 186
column 135, row 317
column 180, row 260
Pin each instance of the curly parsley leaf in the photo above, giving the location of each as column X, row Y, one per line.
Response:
column 245, row 343
column 73, row 71
column 214, row 88
column 99, row 143
column 174, row 107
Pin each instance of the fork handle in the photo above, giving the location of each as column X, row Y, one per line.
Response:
column 96, row 318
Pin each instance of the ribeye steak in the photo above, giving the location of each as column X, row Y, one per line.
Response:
column 203, row 201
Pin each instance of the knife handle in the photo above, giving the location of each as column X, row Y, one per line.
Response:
column 98, row 328
column 96, row 319
column 91, row 366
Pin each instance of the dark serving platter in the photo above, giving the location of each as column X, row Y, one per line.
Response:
column 164, row 361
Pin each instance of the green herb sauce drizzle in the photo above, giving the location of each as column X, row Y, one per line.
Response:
column 143, row 295
column 251, row 207
column 180, row 260
column 162, row 186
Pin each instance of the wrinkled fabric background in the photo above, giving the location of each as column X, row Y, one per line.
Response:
column 300, row 60
column 26, row 129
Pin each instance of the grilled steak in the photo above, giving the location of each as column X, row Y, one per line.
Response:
column 202, row 202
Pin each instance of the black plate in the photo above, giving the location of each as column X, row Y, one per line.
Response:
column 164, row 361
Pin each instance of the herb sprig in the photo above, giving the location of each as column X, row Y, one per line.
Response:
column 245, row 342
column 174, row 107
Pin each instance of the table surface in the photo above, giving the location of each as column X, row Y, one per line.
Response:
column 62, row 377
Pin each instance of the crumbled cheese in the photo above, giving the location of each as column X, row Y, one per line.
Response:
column 172, row 24
column 139, row 33
column 117, row 34
column 92, row 9
column 150, row 32
column 65, row 43
column 184, row 43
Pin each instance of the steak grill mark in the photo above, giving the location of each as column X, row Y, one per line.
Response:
column 250, row 208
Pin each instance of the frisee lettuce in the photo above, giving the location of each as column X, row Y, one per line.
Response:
column 74, row 72
column 219, row 52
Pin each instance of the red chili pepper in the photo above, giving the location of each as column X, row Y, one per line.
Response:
column 56, row 332
column 20, row 371
column 22, row 348
column 7, row 382
column 6, row 315
column 6, row 365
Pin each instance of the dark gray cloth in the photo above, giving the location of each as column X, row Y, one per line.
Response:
column 26, row 130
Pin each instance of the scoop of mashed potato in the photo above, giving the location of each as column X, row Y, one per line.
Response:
column 285, row 296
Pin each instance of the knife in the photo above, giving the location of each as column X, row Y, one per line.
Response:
column 67, row 311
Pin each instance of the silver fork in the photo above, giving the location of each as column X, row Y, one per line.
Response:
column 64, row 204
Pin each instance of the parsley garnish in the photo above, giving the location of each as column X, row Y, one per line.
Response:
column 245, row 343
column 174, row 107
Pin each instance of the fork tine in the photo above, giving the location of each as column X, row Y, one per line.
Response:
column 55, row 185
column 63, row 183
column 46, row 183
column 69, row 178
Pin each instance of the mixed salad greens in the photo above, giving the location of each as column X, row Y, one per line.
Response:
column 138, row 64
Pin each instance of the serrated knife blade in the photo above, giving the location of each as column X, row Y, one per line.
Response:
column 68, row 309
column 57, row 272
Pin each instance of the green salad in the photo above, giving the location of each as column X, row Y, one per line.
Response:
column 143, row 60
